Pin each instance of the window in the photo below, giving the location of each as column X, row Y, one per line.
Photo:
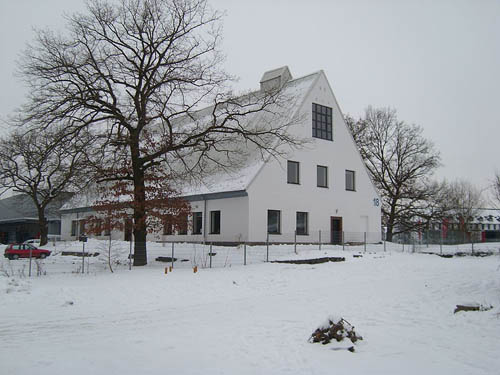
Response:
column 214, row 222
column 82, row 227
column 293, row 172
column 322, row 122
column 74, row 227
column 322, row 173
column 183, row 224
column 273, row 222
column 197, row 222
column 302, row 224
column 350, row 180
column 98, row 227
column 107, row 227
column 167, row 226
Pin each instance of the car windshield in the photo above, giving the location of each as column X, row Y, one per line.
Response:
column 28, row 247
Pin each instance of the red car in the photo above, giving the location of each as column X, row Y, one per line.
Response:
column 14, row 251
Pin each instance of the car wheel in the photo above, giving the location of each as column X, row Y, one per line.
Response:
column 42, row 256
column 14, row 256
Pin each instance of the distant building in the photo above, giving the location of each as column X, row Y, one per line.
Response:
column 19, row 218
column 322, row 189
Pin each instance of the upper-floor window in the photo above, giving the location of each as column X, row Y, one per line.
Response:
column 322, row 122
column 322, row 176
column 350, row 180
column 293, row 172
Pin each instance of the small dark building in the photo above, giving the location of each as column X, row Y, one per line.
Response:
column 19, row 218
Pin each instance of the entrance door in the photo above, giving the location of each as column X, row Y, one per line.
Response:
column 336, row 230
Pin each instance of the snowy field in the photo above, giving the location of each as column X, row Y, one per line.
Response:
column 254, row 319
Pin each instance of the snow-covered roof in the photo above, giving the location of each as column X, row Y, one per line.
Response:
column 486, row 216
column 20, row 208
column 251, row 159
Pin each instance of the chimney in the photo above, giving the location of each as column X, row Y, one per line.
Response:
column 275, row 79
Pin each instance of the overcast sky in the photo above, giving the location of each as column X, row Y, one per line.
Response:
column 436, row 62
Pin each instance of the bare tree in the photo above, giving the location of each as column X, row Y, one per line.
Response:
column 465, row 201
column 43, row 165
column 136, row 72
column 400, row 161
column 495, row 187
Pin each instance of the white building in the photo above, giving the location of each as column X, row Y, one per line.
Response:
column 322, row 189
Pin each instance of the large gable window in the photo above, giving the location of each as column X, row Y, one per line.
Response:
column 322, row 122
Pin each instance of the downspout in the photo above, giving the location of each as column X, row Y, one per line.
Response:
column 204, row 219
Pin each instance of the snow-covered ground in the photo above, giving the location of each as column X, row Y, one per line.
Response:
column 254, row 319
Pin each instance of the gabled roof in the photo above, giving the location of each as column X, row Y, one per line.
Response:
column 20, row 208
column 233, row 182
column 240, row 179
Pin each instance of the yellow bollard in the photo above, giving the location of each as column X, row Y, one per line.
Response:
column 166, row 270
column 195, row 269
column 170, row 268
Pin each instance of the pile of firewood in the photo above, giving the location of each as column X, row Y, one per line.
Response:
column 335, row 330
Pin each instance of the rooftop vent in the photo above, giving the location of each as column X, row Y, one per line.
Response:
column 275, row 79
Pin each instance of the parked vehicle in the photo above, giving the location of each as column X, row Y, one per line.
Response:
column 15, row 251
column 50, row 238
column 33, row 241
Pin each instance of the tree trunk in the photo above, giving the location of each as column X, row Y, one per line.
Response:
column 390, row 222
column 140, row 228
column 388, row 236
column 43, row 227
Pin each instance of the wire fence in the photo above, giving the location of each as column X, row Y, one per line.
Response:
column 98, row 255
column 446, row 241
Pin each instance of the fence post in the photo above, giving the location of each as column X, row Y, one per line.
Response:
column 267, row 247
column 210, row 254
column 31, row 255
column 343, row 242
column 472, row 241
column 83, row 258
column 172, row 255
column 384, row 244
column 365, row 240
column 295, row 241
column 441, row 241
column 403, row 242
column 245, row 254
column 320, row 239
column 129, row 256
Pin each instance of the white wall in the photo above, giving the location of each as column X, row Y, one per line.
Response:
column 67, row 218
column 233, row 221
column 270, row 189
